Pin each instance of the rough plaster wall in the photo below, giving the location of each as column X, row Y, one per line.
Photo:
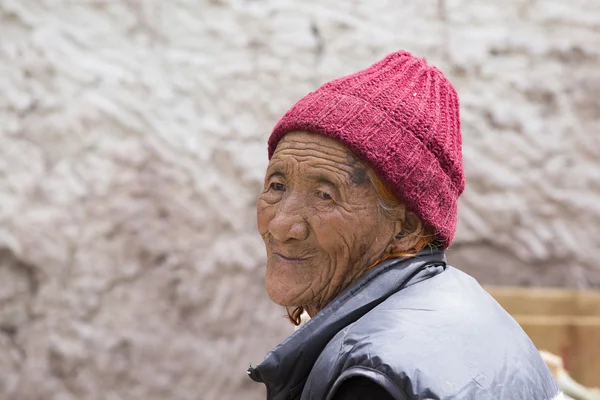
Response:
column 132, row 148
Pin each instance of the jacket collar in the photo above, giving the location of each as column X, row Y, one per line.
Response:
column 285, row 368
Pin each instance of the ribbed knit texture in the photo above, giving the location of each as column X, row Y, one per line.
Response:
column 401, row 116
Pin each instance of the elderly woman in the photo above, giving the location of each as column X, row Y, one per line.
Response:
column 359, row 204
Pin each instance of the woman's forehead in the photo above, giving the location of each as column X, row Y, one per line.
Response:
column 306, row 144
column 310, row 166
column 316, row 157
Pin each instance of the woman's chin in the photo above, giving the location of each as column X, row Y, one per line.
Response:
column 283, row 295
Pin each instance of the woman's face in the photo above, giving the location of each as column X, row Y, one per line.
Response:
column 318, row 216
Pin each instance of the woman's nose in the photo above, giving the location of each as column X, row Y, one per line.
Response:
column 289, row 222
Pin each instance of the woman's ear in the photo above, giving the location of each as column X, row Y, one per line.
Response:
column 408, row 237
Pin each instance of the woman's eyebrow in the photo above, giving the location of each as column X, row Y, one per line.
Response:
column 276, row 172
column 320, row 178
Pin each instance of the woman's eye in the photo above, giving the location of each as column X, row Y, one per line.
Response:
column 325, row 196
column 277, row 186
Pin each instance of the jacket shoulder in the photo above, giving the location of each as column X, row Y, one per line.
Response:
column 443, row 337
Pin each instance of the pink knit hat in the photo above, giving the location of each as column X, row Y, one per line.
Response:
column 401, row 116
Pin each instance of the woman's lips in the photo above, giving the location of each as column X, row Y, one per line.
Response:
column 291, row 259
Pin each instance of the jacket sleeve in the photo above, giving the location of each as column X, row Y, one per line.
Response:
column 360, row 388
column 363, row 383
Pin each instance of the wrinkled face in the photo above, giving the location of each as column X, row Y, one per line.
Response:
column 318, row 216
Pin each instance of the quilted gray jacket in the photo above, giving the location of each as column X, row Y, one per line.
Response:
column 417, row 327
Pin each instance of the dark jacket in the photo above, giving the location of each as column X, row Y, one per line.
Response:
column 416, row 327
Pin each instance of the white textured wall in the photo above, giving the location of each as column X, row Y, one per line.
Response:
column 132, row 148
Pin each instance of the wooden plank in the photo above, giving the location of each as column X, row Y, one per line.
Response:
column 575, row 339
column 564, row 322
column 543, row 301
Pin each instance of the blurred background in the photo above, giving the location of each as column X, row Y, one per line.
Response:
column 133, row 146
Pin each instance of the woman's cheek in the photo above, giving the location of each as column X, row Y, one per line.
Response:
column 270, row 196
column 264, row 214
column 321, row 216
column 341, row 229
column 328, row 230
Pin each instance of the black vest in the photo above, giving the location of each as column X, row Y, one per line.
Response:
column 419, row 328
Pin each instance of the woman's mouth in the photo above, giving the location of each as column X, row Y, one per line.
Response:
column 291, row 259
